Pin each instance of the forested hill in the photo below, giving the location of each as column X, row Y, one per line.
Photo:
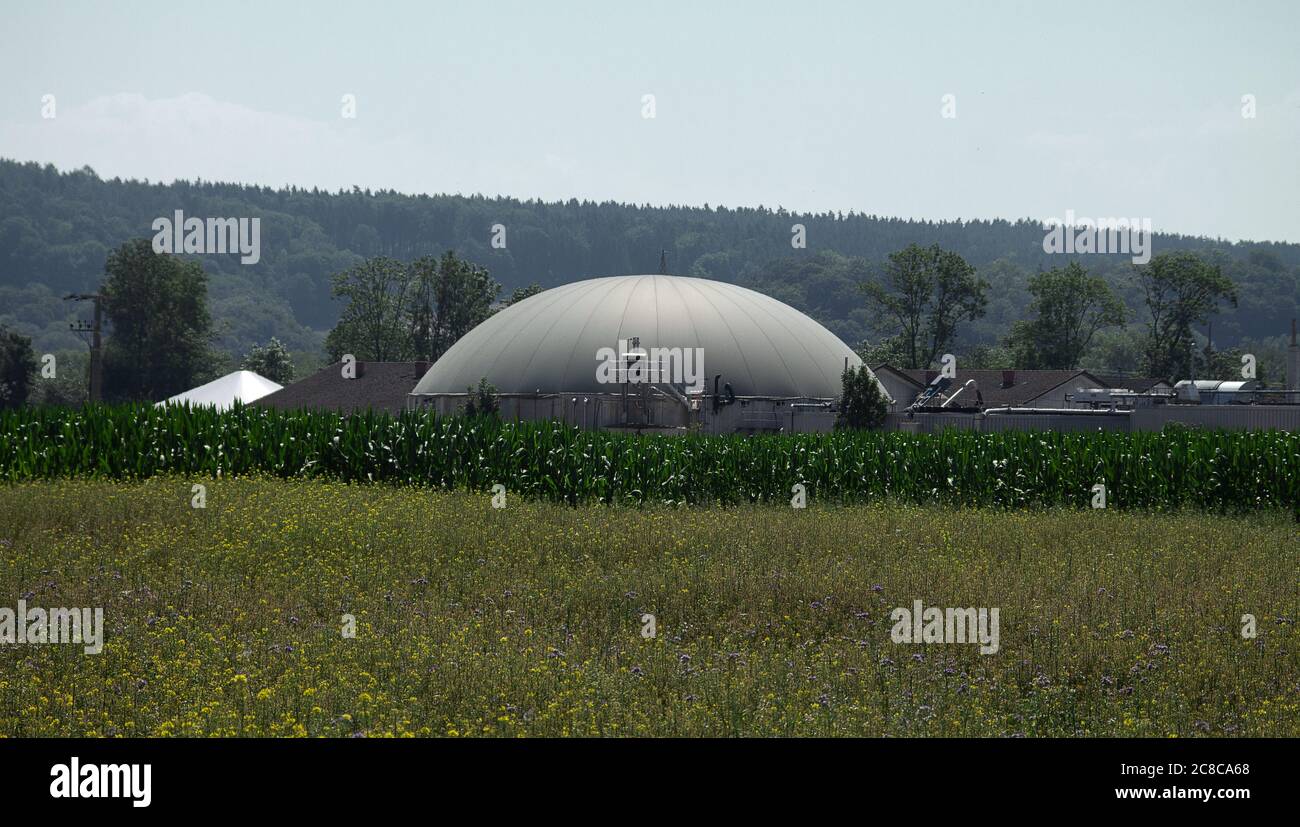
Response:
column 56, row 229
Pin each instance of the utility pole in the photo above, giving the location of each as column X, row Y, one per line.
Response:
column 96, row 348
column 634, row 344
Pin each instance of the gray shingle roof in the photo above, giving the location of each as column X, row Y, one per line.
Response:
column 379, row 386
column 1026, row 386
column 1137, row 384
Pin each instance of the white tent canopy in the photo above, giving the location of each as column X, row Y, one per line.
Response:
column 240, row 386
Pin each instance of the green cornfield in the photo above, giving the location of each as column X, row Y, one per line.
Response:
column 1226, row 471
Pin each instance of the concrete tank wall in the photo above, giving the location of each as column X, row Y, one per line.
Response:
column 652, row 412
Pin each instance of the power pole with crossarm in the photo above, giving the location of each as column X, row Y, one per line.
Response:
column 96, row 349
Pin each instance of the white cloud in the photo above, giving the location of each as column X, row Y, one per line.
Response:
column 1204, row 170
column 197, row 136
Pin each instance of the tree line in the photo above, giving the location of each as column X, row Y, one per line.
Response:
column 924, row 294
column 58, row 227
column 161, row 327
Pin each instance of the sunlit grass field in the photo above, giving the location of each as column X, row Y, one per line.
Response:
column 527, row 620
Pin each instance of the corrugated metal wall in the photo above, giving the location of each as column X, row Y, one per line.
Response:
column 932, row 423
column 1251, row 417
column 1232, row 417
column 1056, row 422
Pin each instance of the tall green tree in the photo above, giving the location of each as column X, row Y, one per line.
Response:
column 398, row 311
column 1115, row 350
column 520, row 293
column 1226, row 364
column 70, row 386
column 1180, row 289
column 888, row 351
column 17, row 368
column 1069, row 307
column 375, row 324
column 156, row 306
column 463, row 294
column 923, row 295
column 987, row 357
column 862, row 402
column 272, row 362
column 423, row 310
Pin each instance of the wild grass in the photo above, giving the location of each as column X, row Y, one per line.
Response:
column 526, row 620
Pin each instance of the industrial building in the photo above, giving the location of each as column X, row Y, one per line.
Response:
column 1081, row 401
column 980, row 389
column 649, row 352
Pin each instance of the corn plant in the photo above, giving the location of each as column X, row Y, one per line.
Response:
column 1177, row 468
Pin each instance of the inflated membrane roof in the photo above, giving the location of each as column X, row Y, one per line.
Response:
column 549, row 342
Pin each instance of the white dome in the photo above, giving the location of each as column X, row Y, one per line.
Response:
column 549, row 342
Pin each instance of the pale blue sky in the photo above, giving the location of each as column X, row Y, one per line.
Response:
column 1109, row 109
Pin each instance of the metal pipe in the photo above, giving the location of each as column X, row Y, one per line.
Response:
column 948, row 401
column 1064, row 411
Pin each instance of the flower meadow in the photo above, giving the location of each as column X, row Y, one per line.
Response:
column 1222, row 471
column 529, row 620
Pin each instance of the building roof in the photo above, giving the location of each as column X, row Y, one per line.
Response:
column 898, row 372
column 1025, row 385
column 378, row 386
column 240, row 386
column 551, row 342
column 1137, row 384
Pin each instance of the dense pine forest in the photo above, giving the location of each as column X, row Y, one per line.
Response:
column 57, row 228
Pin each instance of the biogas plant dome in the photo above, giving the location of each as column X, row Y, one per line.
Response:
column 555, row 341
